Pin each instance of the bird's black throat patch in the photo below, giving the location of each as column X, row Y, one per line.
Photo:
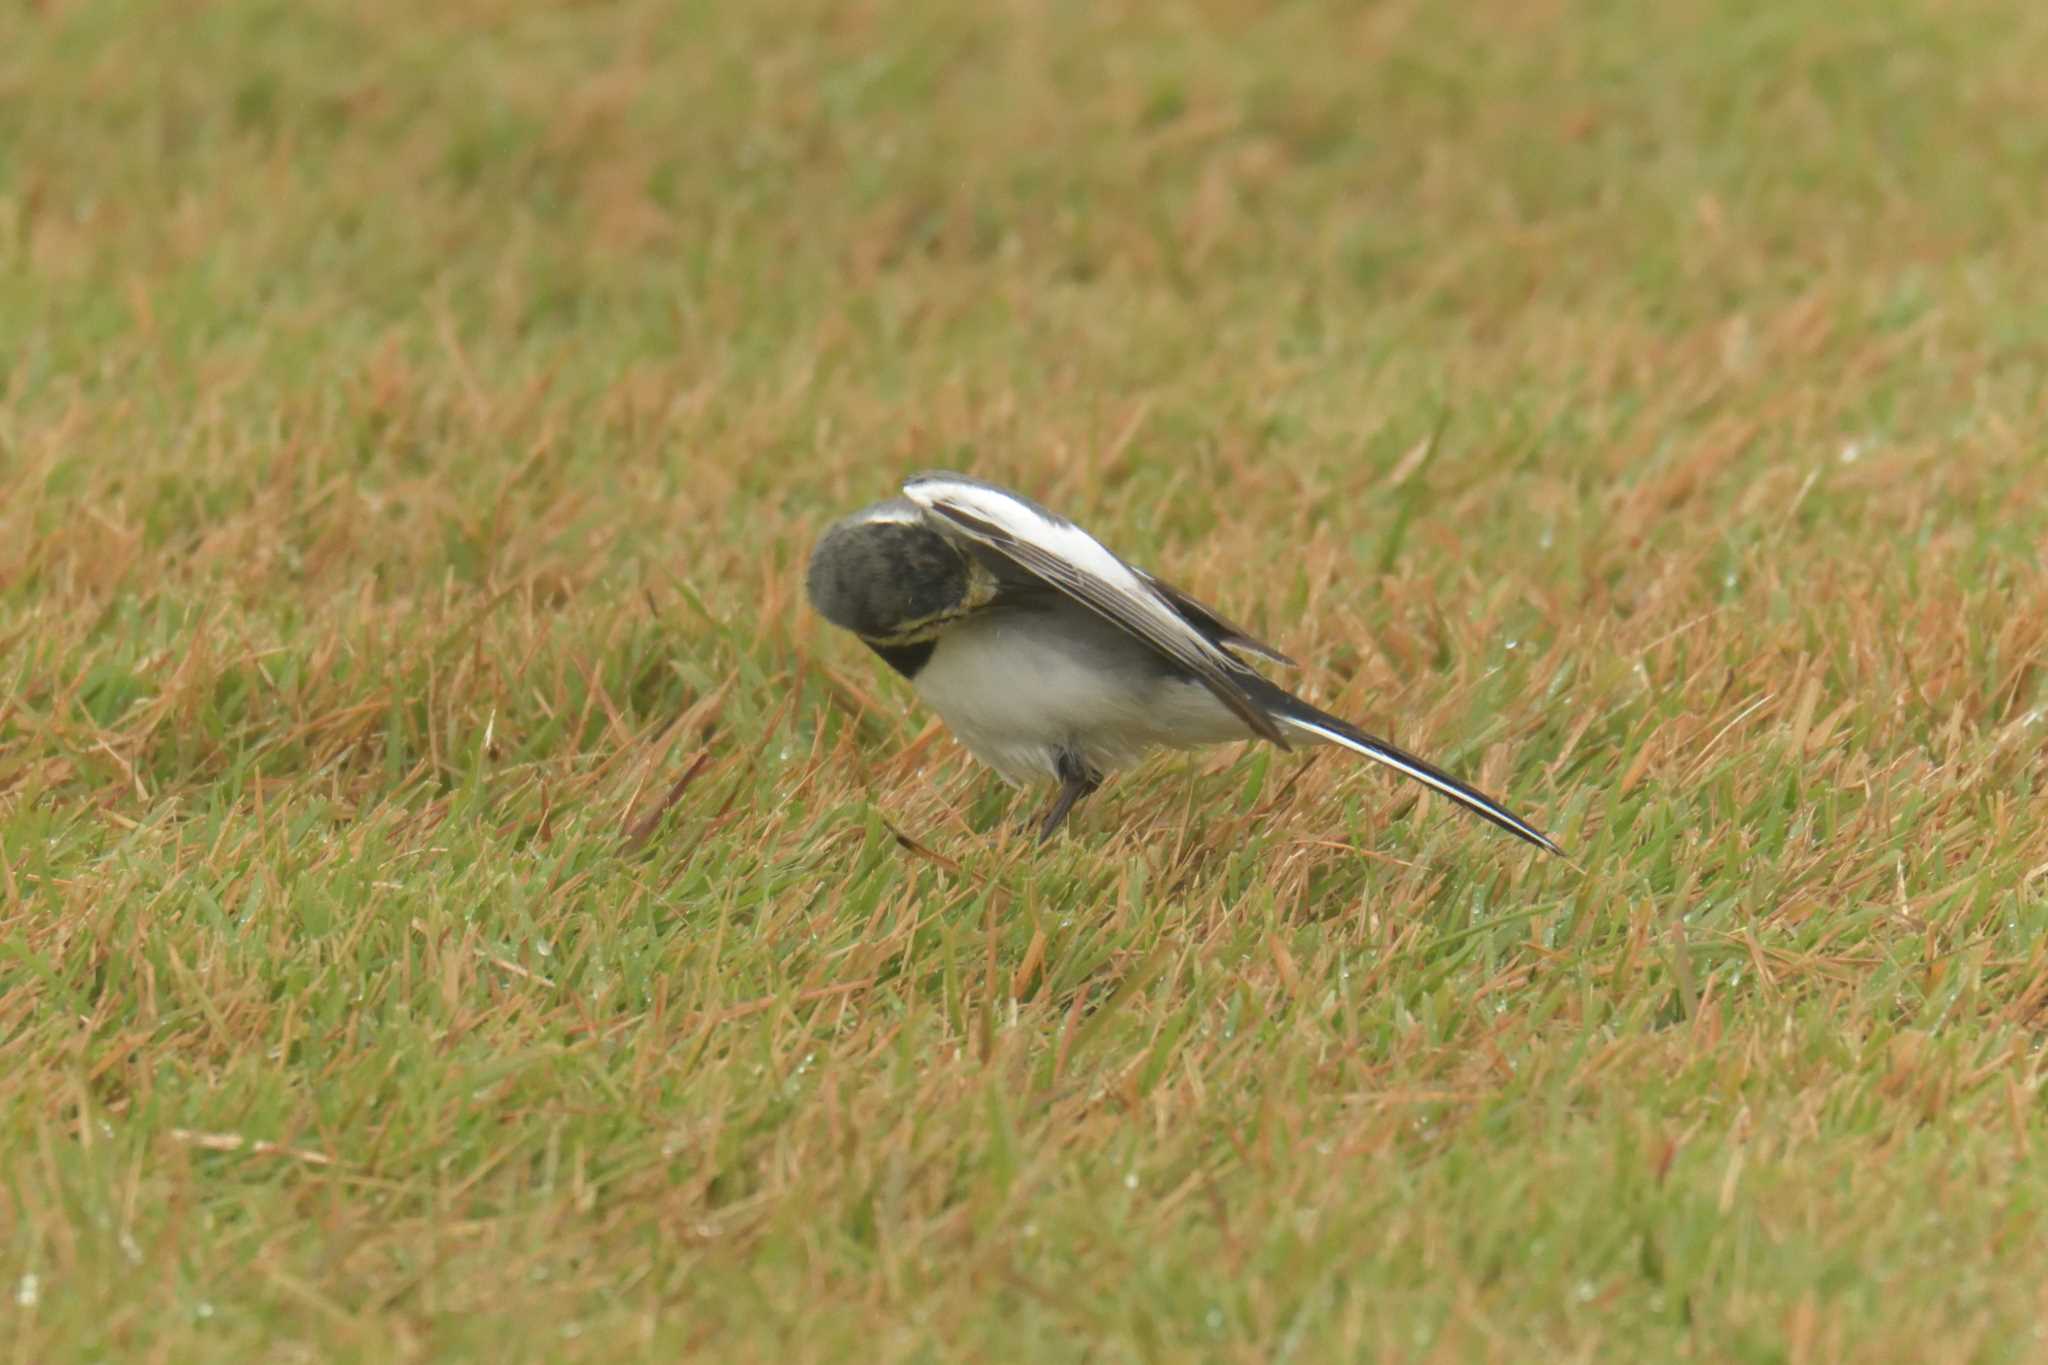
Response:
column 905, row 659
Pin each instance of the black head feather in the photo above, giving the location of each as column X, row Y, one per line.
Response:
column 883, row 572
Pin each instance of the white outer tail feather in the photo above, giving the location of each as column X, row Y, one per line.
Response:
column 1381, row 753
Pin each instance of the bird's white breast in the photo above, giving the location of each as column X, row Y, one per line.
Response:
column 1017, row 688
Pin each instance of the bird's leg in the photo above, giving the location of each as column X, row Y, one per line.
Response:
column 1077, row 779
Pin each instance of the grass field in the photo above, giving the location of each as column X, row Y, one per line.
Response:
column 457, row 903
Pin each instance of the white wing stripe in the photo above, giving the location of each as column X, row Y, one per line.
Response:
column 1057, row 536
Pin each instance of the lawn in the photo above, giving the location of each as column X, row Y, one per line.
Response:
column 458, row 903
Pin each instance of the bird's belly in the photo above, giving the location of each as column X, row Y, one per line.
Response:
column 1019, row 689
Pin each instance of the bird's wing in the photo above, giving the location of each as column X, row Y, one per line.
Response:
column 1066, row 558
column 1214, row 625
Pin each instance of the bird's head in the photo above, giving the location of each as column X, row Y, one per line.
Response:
column 888, row 577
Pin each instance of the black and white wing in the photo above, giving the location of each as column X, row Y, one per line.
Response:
column 1066, row 558
column 1213, row 625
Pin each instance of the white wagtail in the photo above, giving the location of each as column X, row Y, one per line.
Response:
column 1050, row 657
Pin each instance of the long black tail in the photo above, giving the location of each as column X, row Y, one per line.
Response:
column 1298, row 717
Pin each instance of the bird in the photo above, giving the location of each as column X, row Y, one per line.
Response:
column 1051, row 658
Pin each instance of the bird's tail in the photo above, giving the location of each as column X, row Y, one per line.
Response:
column 1297, row 717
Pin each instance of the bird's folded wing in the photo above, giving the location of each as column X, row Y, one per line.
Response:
column 1066, row 558
column 1214, row 625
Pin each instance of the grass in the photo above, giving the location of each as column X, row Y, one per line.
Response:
column 457, row 903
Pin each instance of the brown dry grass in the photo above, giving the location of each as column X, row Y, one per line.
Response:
column 455, row 901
